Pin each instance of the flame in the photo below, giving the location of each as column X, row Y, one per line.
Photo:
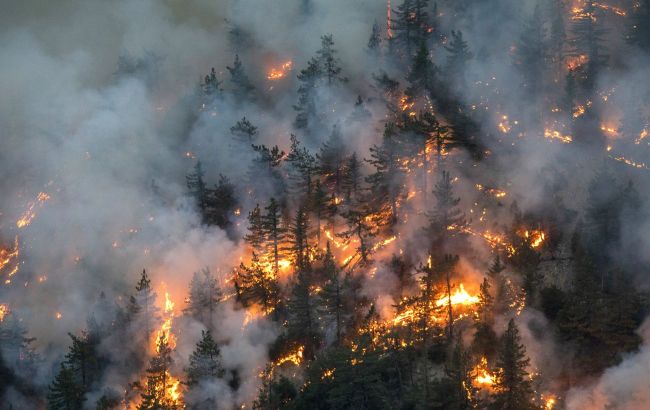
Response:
column 29, row 215
column 58, row 315
column 549, row 403
column 535, row 237
column 4, row 310
column 556, row 135
column 9, row 260
column 328, row 374
column 295, row 358
column 610, row 130
column 574, row 62
column 484, row 378
column 276, row 73
column 642, row 135
column 460, row 297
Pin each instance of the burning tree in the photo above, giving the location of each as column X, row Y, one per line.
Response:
column 161, row 390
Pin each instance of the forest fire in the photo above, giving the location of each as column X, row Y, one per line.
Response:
column 460, row 297
column 556, row 135
column 4, row 311
column 483, row 378
column 276, row 73
column 29, row 215
column 347, row 214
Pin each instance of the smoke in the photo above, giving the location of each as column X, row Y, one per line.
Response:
column 623, row 386
column 99, row 112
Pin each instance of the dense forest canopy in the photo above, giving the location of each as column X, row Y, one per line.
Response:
column 325, row 204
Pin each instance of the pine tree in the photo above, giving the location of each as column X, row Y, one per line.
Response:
column 334, row 298
column 255, row 286
column 302, row 326
column 306, row 106
column 457, row 59
column 363, row 225
column 211, row 84
column 155, row 393
column 331, row 161
column 256, row 236
column 83, row 359
column 421, row 76
column 274, row 232
column 446, row 218
column 299, row 240
column 204, row 297
column 205, row 361
column 485, row 338
column 146, row 299
column 244, row 132
column 221, row 203
column 639, row 27
column 197, row 187
column 410, row 26
column 513, row 390
column 557, row 32
column 387, row 182
column 531, row 53
column 302, row 168
column 587, row 39
column 374, row 42
column 16, row 347
column 322, row 207
column 328, row 61
column 458, row 377
column 266, row 165
column 351, row 179
column 243, row 89
column 64, row 392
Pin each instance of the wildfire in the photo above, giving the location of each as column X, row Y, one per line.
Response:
column 4, row 310
column 294, row 357
column 460, row 297
column 497, row 193
column 276, row 73
column 29, row 215
column 549, row 403
column 609, row 130
column 165, row 329
column 556, row 135
column 535, row 237
column 642, row 135
column 484, row 378
column 9, row 260
column 630, row 162
column 576, row 61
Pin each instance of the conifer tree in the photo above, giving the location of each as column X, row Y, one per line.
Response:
column 513, row 390
column 362, row 224
column 587, row 39
column 254, row 285
column 328, row 61
column 446, row 218
column 374, row 42
column 146, row 299
column 334, row 298
column 302, row 325
column 204, row 297
column 256, row 236
column 299, row 240
column 531, row 53
column 322, row 207
column 639, row 26
column 197, row 187
column 331, row 161
column 155, row 393
column 410, row 26
column 211, row 84
column 244, row 132
column 351, row 180
column 458, row 55
column 306, row 106
column 485, row 338
column 421, row 76
column 274, row 232
column 302, row 168
column 243, row 89
column 64, row 392
column 387, row 182
column 205, row 362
